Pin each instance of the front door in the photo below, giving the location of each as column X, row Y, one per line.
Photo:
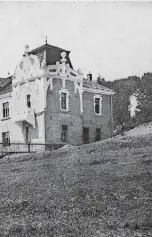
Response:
column 98, row 134
column 85, row 135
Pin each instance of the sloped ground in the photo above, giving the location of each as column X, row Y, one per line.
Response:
column 98, row 190
column 142, row 130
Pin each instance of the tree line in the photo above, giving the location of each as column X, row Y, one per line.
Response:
column 124, row 88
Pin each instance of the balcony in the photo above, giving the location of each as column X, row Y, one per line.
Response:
column 26, row 114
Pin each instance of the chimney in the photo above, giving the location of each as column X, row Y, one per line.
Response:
column 89, row 76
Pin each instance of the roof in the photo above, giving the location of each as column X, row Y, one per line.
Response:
column 95, row 85
column 53, row 54
column 5, row 84
column 3, row 81
column 48, row 46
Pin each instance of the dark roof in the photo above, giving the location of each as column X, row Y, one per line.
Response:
column 3, row 81
column 53, row 54
column 5, row 84
column 45, row 46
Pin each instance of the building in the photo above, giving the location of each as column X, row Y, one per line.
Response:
column 47, row 101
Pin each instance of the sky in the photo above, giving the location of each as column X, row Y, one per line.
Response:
column 113, row 39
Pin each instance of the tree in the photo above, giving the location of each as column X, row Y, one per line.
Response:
column 100, row 79
column 144, row 113
column 124, row 88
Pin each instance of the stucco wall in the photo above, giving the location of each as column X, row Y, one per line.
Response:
column 17, row 129
column 37, row 133
column 8, row 125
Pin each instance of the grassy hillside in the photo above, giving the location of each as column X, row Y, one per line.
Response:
column 98, row 190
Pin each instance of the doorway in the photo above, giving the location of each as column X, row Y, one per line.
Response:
column 98, row 134
column 85, row 135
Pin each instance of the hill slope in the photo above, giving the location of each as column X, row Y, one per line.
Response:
column 101, row 189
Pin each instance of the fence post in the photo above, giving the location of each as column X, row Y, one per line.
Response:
column 29, row 147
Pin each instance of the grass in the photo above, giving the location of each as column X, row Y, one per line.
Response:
column 101, row 189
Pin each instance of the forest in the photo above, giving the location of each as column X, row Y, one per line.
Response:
column 141, row 88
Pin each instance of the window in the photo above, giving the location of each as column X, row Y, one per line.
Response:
column 28, row 101
column 97, row 105
column 6, row 139
column 98, row 134
column 64, row 133
column 6, row 110
column 64, row 100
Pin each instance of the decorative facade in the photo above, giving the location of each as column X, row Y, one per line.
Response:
column 47, row 101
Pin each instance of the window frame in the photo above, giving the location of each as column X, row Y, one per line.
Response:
column 65, row 91
column 7, row 110
column 100, row 104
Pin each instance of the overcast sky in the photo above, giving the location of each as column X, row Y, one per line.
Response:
column 110, row 38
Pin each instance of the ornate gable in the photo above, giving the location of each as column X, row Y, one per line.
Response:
column 28, row 67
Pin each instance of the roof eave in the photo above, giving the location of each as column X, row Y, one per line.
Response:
column 99, row 91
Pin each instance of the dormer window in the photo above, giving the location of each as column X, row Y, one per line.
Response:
column 64, row 100
column 28, row 101
column 97, row 104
